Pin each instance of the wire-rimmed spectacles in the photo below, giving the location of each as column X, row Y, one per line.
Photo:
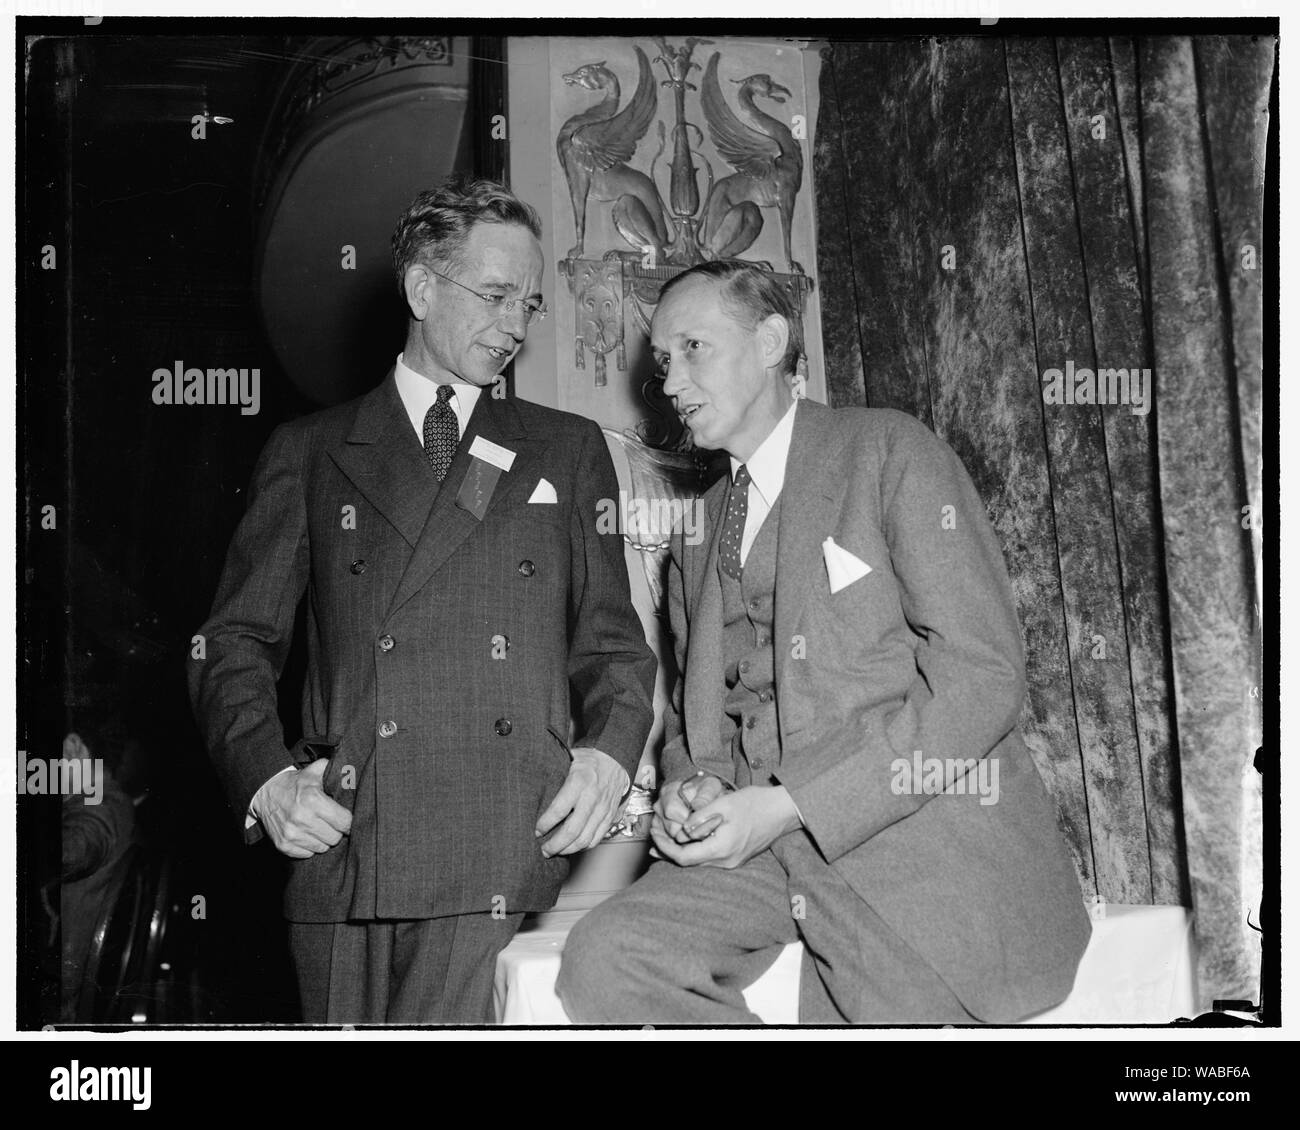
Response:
column 533, row 311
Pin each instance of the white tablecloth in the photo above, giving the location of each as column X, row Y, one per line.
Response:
column 1138, row 969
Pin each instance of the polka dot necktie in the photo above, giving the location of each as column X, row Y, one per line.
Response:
column 441, row 433
column 733, row 529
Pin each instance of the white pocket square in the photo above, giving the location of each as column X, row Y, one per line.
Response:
column 842, row 567
column 543, row 492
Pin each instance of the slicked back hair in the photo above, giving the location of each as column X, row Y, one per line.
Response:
column 750, row 294
column 435, row 226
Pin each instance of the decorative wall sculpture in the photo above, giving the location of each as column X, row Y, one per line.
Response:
column 652, row 185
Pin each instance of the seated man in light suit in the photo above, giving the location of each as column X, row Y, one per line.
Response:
column 841, row 764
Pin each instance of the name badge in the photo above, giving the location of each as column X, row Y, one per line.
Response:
column 492, row 453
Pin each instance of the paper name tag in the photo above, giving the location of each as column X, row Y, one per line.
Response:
column 492, row 453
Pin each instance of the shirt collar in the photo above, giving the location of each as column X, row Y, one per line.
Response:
column 418, row 392
column 767, row 465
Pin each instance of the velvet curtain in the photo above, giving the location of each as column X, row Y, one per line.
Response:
column 990, row 210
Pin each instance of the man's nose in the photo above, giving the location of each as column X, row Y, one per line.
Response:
column 674, row 383
column 515, row 321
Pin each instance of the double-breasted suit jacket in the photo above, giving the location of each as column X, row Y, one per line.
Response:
column 442, row 651
column 922, row 653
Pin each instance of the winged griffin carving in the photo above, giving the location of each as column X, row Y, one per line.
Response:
column 594, row 147
column 768, row 163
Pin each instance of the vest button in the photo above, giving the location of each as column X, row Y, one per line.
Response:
column 756, row 763
column 527, row 568
column 387, row 729
column 386, row 643
column 764, row 696
column 358, row 567
column 744, row 667
column 749, row 722
column 755, row 604
column 503, row 727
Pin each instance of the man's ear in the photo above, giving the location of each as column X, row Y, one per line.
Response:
column 417, row 285
column 773, row 337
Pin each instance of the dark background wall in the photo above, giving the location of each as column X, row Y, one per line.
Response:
column 153, row 233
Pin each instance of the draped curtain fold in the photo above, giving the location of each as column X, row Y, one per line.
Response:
column 990, row 210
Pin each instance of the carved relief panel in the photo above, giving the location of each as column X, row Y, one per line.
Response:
column 670, row 152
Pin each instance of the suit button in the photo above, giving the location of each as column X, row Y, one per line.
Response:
column 386, row 643
column 765, row 696
column 755, row 604
column 527, row 568
column 358, row 567
column 749, row 722
column 387, row 729
column 744, row 667
column 503, row 727
column 756, row 763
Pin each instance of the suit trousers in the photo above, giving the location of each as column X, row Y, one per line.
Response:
column 682, row 943
column 424, row 971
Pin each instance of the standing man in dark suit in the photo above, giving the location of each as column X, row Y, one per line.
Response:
column 458, row 593
column 842, row 764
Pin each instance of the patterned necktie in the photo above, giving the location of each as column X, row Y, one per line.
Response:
column 733, row 529
column 441, row 433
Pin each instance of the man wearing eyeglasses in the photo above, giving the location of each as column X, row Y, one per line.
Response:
column 459, row 600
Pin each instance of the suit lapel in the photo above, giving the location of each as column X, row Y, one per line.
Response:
column 382, row 457
column 704, row 660
column 447, row 525
column 810, row 500
column 703, row 557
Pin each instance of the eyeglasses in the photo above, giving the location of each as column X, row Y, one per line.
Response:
column 533, row 311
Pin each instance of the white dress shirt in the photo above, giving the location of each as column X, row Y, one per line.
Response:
column 419, row 392
column 766, row 477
